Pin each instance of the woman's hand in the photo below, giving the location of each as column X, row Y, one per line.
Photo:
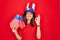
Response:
column 37, row 20
column 38, row 33
column 14, row 30
column 16, row 34
column 14, row 26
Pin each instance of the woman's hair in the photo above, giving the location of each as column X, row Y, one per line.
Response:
column 32, row 20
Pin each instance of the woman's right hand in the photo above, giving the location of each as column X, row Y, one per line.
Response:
column 14, row 24
column 16, row 34
column 14, row 30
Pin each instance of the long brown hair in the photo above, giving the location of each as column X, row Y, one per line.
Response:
column 32, row 20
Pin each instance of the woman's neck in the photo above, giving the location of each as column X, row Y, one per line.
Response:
column 28, row 21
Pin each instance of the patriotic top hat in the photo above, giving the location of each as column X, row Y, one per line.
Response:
column 18, row 17
column 30, row 9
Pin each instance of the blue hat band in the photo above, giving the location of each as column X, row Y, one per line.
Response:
column 30, row 9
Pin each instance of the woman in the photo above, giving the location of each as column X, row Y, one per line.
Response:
column 31, row 31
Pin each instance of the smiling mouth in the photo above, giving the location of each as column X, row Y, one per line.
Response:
column 29, row 16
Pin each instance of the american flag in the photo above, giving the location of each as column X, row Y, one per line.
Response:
column 17, row 22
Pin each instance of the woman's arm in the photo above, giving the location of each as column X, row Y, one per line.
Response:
column 38, row 34
column 17, row 35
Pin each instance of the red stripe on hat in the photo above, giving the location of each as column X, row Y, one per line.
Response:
column 30, row 5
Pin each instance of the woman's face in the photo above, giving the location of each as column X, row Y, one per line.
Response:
column 29, row 15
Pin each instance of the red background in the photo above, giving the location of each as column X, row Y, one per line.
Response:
column 48, row 9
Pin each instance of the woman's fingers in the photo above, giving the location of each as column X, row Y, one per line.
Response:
column 14, row 29
column 35, row 18
column 38, row 17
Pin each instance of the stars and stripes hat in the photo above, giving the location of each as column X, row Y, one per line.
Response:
column 30, row 9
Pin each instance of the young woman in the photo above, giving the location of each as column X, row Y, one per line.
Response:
column 31, row 31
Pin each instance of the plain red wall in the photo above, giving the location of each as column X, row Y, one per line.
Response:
column 48, row 9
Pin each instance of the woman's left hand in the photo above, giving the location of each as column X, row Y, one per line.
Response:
column 37, row 20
